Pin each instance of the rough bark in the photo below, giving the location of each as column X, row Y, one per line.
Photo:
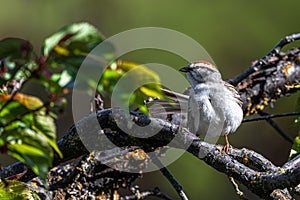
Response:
column 278, row 75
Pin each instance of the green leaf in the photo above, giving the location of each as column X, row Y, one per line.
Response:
column 70, row 45
column 64, row 79
column 15, row 48
column 21, row 104
column 81, row 36
column 109, row 79
column 65, row 51
column 15, row 190
column 11, row 111
column 15, row 57
column 51, row 83
column 296, row 147
column 45, row 125
column 151, row 91
column 28, row 132
column 36, row 158
column 30, row 141
column 136, row 76
column 25, row 71
column 30, row 148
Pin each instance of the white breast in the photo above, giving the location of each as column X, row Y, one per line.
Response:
column 212, row 112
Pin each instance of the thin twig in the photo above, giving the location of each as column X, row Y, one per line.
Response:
column 277, row 128
column 264, row 117
column 13, row 94
column 170, row 178
column 26, row 79
column 141, row 195
column 236, row 188
column 261, row 62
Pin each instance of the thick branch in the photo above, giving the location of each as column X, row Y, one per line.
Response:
column 278, row 77
column 265, row 60
column 248, row 167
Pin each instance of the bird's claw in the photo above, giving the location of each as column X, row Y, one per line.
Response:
column 226, row 148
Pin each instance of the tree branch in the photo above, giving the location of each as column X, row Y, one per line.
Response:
column 278, row 77
column 263, row 62
column 253, row 170
column 271, row 116
column 277, row 128
column 170, row 178
column 274, row 76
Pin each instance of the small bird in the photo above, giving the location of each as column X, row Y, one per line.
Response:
column 214, row 106
column 211, row 106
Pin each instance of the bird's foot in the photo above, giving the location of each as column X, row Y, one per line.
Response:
column 227, row 145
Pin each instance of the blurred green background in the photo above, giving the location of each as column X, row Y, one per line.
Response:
column 235, row 33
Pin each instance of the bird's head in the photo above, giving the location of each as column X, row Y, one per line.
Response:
column 201, row 72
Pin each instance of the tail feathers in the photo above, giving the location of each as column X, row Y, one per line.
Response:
column 167, row 108
column 179, row 103
column 175, row 96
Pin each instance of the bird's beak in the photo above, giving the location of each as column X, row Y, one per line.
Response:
column 185, row 69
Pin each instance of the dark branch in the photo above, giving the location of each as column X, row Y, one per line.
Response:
column 265, row 60
column 170, row 178
column 279, row 77
column 270, row 116
column 277, row 128
column 141, row 195
column 247, row 167
column 275, row 75
column 236, row 188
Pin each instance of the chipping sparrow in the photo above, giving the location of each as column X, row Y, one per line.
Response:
column 213, row 106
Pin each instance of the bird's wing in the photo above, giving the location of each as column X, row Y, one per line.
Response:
column 236, row 94
column 178, row 104
column 175, row 96
column 165, row 107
